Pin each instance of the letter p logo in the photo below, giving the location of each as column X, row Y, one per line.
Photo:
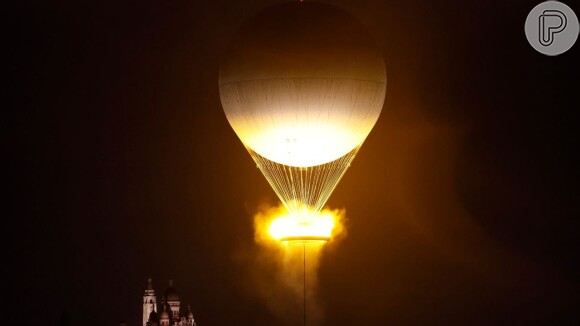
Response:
column 551, row 28
column 551, row 22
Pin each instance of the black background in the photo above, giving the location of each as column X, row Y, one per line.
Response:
column 119, row 164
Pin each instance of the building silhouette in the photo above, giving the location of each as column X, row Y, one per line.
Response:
column 166, row 312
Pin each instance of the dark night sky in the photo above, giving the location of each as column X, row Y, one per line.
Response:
column 120, row 164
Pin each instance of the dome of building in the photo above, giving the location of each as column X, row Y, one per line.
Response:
column 171, row 294
column 164, row 314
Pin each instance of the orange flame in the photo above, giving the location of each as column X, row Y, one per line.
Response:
column 306, row 228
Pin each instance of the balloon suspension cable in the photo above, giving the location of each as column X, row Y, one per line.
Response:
column 304, row 270
column 303, row 190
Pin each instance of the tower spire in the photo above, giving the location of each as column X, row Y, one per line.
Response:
column 149, row 301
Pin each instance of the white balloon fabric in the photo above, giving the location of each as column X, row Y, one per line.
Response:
column 302, row 85
column 303, row 121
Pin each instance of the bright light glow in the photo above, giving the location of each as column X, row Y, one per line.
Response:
column 303, row 122
column 303, row 145
column 303, row 228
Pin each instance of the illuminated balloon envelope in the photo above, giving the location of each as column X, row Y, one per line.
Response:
column 302, row 85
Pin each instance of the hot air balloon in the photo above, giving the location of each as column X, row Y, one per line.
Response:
column 302, row 85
